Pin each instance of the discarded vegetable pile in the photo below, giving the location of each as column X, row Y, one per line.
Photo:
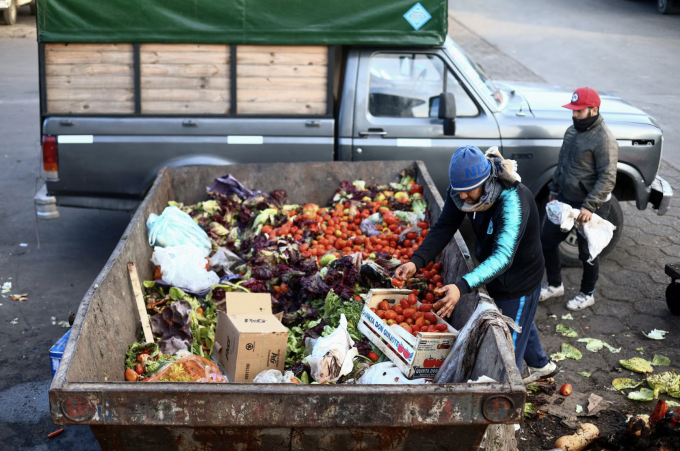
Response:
column 316, row 262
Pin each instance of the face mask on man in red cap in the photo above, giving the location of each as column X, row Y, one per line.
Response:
column 585, row 102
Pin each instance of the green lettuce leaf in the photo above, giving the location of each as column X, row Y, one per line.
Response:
column 637, row 365
column 566, row 331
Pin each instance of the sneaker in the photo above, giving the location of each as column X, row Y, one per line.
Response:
column 581, row 301
column 541, row 373
column 548, row 291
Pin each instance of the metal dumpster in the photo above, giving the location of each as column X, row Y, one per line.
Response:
column 89, row 387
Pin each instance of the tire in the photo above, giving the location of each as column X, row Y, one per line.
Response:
column 569, row 247
column 665, row 6
column 10, row 14
column 33, row 8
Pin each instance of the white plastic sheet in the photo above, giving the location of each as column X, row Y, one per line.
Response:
column 386, row 373
column 332, row 356
column 184, row 267
column 174, row 228
column 598, row 232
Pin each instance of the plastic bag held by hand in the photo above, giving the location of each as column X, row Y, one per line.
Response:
column 191, row 368
column 184, row 267
column 174, row 228
column 332, row 356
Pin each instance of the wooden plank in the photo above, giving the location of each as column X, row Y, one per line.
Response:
column 282, row 48
column 139, row 302
column 185, row 107
column 285, row 95
column 294, row 83
column 216, row 48
column 88, row 58
column 184, row 95
column 97, row 95
column 88, row 69
column 290, row 59
column 183, row 70
column 59, row 47
column 184, row 57
column 214, row 83
column 89, row 107
column 281, row 108
column 87, row 81
column 270, row 70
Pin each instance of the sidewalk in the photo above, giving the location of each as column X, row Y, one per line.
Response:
column 630, row 296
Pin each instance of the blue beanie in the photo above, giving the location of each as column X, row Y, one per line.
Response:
column 469, row 168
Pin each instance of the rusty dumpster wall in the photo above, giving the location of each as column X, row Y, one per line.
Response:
column 89, row 386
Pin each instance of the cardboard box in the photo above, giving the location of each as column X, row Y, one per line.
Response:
column 248, row 338
column 416, row 357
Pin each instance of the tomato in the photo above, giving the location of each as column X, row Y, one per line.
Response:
column 384, row 305
column 139, row 359
column 438, row 267
column 412, row 299
column 131, row 375
column 390, row 322
column 415, row 329
column 415, row 188
column 410, row 321
column 418, row 314
column 437, row 278
column 420, row 322
column 565, row 390
column 425, row 307
column 407, row 243
column 428, row 323
column 380, row 313
column 139, row 369
column 391, row 314
column 400, row 319
column 157, row 275
column 412, row 235
column 397, row 283
column 423, row 225
column 389, row 217
column 407, row 328
column 398, row 308
column 429, row 316
column 408, row 312
column 423, row 233
column 441, row 327
column 373, row 356
column 426, row 275
column 429, row 298
column 404, row 303
column 284, row 288
column 304, row 247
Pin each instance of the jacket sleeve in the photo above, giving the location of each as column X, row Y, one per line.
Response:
column 554, row 185
column 508, row 231
column 606, row 155
column 440, row 234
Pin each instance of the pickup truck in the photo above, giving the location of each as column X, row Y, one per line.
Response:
column 375, row 103
column 9, row 9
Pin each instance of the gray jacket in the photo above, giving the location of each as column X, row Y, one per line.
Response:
column 586, row 167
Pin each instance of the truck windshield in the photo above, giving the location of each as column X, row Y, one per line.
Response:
column 475, row 72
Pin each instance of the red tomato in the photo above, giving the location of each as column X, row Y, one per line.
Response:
column 139, row 369
column 415, row 329
column 412, row 299
column 423, row 225
column 404, row 303
column 426, row 275
column 410, row 321
column 429, row 298
column 423, row 233
column 398, row 308
column 415, row 188
column 397, row 282
column 425, row 307
column 373, row 356
column 429, row 316
column 384, row 305
column 438, row 267
column 390, row 314
column 131, row 375
column 437, row 278
column 390, row 322
column 399, row 319
column 441, row 327
column 380, row 313
column 420, row 322
column 418, row 314
column 408, row 329
column 412, row 235
column 408, row 312
column 407, row 243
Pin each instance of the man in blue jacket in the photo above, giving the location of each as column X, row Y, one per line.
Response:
column 505, row 221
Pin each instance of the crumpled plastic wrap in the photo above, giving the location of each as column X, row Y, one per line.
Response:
column 225, row 260
column 459, row 364
column 598, row 232
column 386, row 373
column 275, row 377
column 175, row 228
column 332, row 356
column 191, row 368
column 184, row 267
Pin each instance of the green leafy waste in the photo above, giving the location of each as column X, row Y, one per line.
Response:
column 151, row 366
column 529, row 409
column 334, row 307
column 621, row 383
column 566, row 331
column 644, row 394
column 661, row 360
column 567, row 351
column 637, row 365
column 585, row 373
column 595, row 345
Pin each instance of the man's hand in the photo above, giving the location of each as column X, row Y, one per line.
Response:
column 450, row 300
column 584, row 216
column 406, row 271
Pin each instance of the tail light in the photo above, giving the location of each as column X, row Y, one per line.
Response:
column 50, row 157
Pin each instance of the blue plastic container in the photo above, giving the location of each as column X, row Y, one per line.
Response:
column 57, row 351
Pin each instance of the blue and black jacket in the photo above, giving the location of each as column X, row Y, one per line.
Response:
column 508, row 244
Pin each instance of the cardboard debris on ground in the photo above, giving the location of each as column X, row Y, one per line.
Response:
column 565, row 407
column 20, row 297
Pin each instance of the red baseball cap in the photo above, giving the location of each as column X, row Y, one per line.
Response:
column 583, row 98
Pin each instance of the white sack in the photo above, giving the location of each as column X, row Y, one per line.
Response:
column 332, row 356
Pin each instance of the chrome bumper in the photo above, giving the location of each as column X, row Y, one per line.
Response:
column 660, row 196
column 45, row 206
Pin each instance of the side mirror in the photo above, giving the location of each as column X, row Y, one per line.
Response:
column 447, row 112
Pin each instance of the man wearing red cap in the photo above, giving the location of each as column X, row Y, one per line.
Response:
column 584, row 178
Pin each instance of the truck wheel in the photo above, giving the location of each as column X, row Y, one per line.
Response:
column 569, row 247
column 10, row 14
column 665, row 6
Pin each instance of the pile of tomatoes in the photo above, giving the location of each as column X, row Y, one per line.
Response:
column 407, row 314
column 337, row 229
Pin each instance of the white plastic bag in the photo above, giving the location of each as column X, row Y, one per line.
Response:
column 386, row 373
column 184, row 267
column 598, row 232
column 175, row 228
column 274, row 377
column 332, row 356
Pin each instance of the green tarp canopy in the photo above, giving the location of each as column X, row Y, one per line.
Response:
column 281, row 22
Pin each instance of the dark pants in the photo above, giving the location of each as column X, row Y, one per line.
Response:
column 552, row 236
column 527, row 343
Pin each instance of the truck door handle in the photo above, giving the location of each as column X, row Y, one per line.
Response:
column 189, row 124
column 313, row 124
column 373, row 132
